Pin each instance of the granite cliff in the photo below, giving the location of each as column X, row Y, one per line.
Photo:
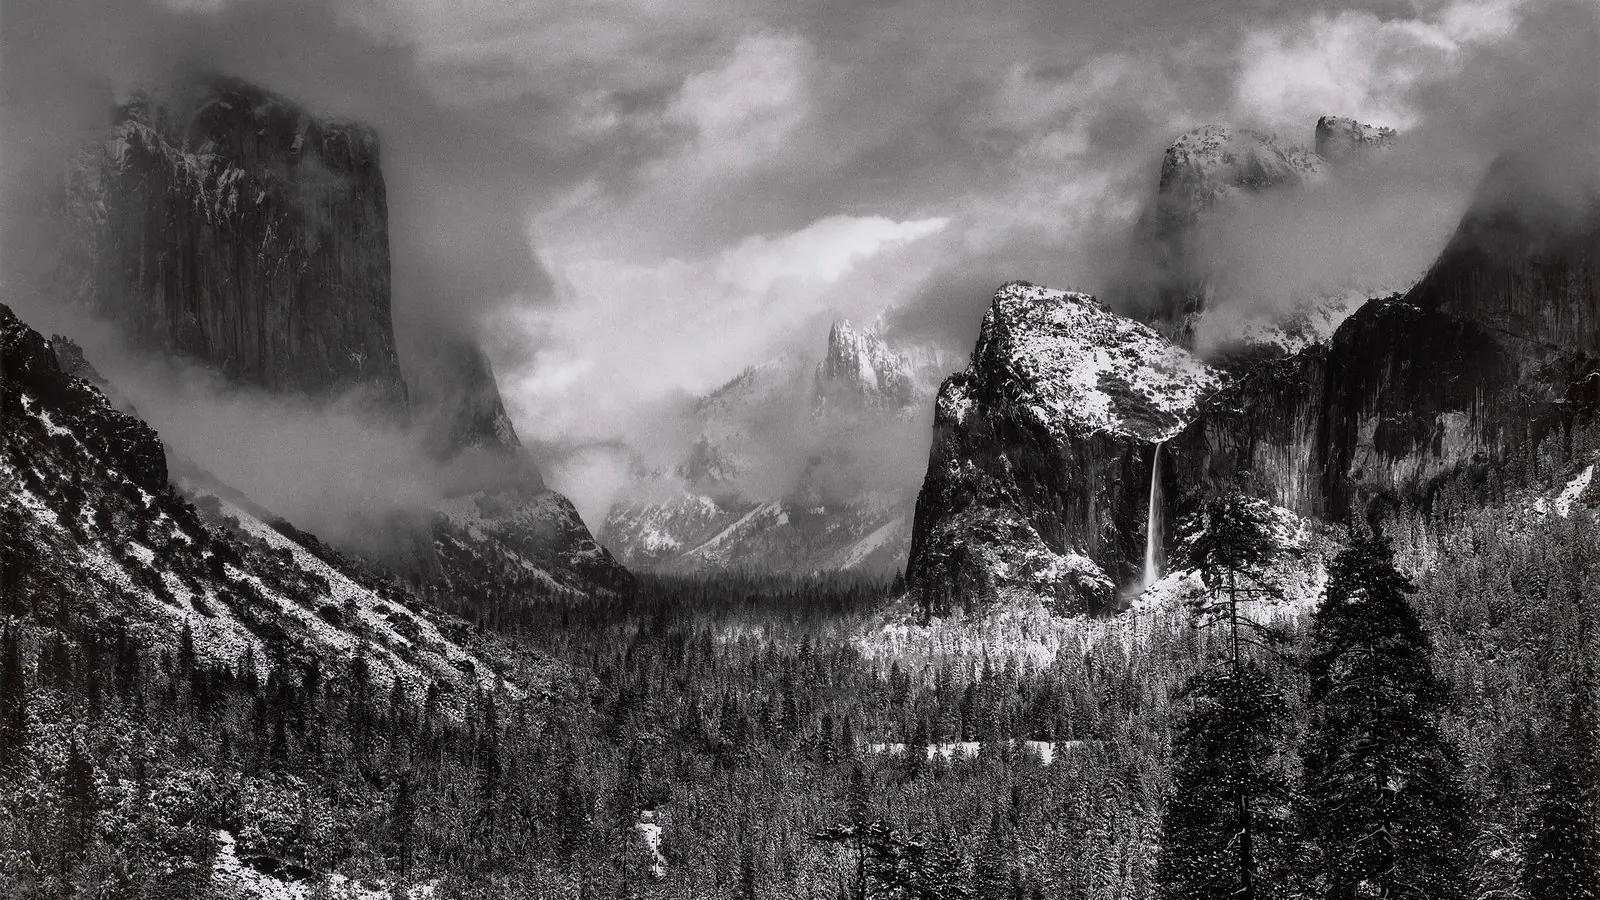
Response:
column 1487, row 370
column 223, row 224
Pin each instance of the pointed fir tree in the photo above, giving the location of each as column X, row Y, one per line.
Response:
column 1384, row 805
column 1226, row 830
column 1562, row 854
column 1231, row 543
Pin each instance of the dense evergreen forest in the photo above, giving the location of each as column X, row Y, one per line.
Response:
column 1433, row 740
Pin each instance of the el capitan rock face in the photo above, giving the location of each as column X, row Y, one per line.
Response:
column 225, row 224
column 1040, row 469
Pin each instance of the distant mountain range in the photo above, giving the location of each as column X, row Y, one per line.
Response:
column 798, row 465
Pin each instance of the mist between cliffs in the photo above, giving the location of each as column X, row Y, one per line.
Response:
column 335, row 467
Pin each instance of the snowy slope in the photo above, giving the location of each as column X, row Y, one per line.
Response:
column 249, row 589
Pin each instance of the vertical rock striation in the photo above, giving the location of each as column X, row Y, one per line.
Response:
column 225, row 224
column 1040, row 458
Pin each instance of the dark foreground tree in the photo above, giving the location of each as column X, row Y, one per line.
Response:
column 1384, row 804
column 1226, row 832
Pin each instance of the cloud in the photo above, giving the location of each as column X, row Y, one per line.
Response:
column 1355, row 63
column 627, row 336
column 743, row 110
column 631, row 200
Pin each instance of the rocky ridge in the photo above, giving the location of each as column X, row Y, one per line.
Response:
column 89, row 515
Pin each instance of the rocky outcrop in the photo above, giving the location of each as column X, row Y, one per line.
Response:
column 1039, row 475
column 1183, row 253
column 456, row 402
column 501, row 530
column 69, row 404
column 1488, row 361
column 861, row 369
column 1203, row 172
column 1341, row 141
column 225, row 224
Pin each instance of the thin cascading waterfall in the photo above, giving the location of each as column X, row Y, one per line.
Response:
column 1152, row 526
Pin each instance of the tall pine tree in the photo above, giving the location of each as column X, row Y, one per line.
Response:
column 1226, row 830
column 1384, row 804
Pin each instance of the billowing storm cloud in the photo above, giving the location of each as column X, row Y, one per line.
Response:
column 630, row 201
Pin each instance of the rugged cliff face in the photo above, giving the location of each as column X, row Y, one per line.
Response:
column 456, row 402
column 223, row 223
column 1210, row 175
column 1204, row 172
column 1037, row 482
column 1493, row 351
column 1039, row 475
column 501, row 529
column 1341, row 141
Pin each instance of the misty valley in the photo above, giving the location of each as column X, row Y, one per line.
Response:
column 377, row 526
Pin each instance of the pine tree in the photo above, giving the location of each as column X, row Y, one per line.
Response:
column 1385, row 808
column 1226, row 828
column 1562, row 855
column 13, row 700
column 1231, row 543
column 1226, row 831
column 1562, row 858
column 403, row 821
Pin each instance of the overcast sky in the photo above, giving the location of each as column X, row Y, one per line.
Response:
column 629, row 201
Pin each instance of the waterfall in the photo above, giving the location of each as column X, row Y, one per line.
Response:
column 1152, row 527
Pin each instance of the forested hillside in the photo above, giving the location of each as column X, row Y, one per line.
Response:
column 725, row 717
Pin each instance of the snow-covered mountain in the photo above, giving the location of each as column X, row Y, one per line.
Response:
column 1042, row 453
column 90, row 515
column 793, row 466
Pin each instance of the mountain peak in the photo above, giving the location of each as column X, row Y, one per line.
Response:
column 862, row 366
column 1340, row 139
column 1085, row 367
column 1211, row 162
